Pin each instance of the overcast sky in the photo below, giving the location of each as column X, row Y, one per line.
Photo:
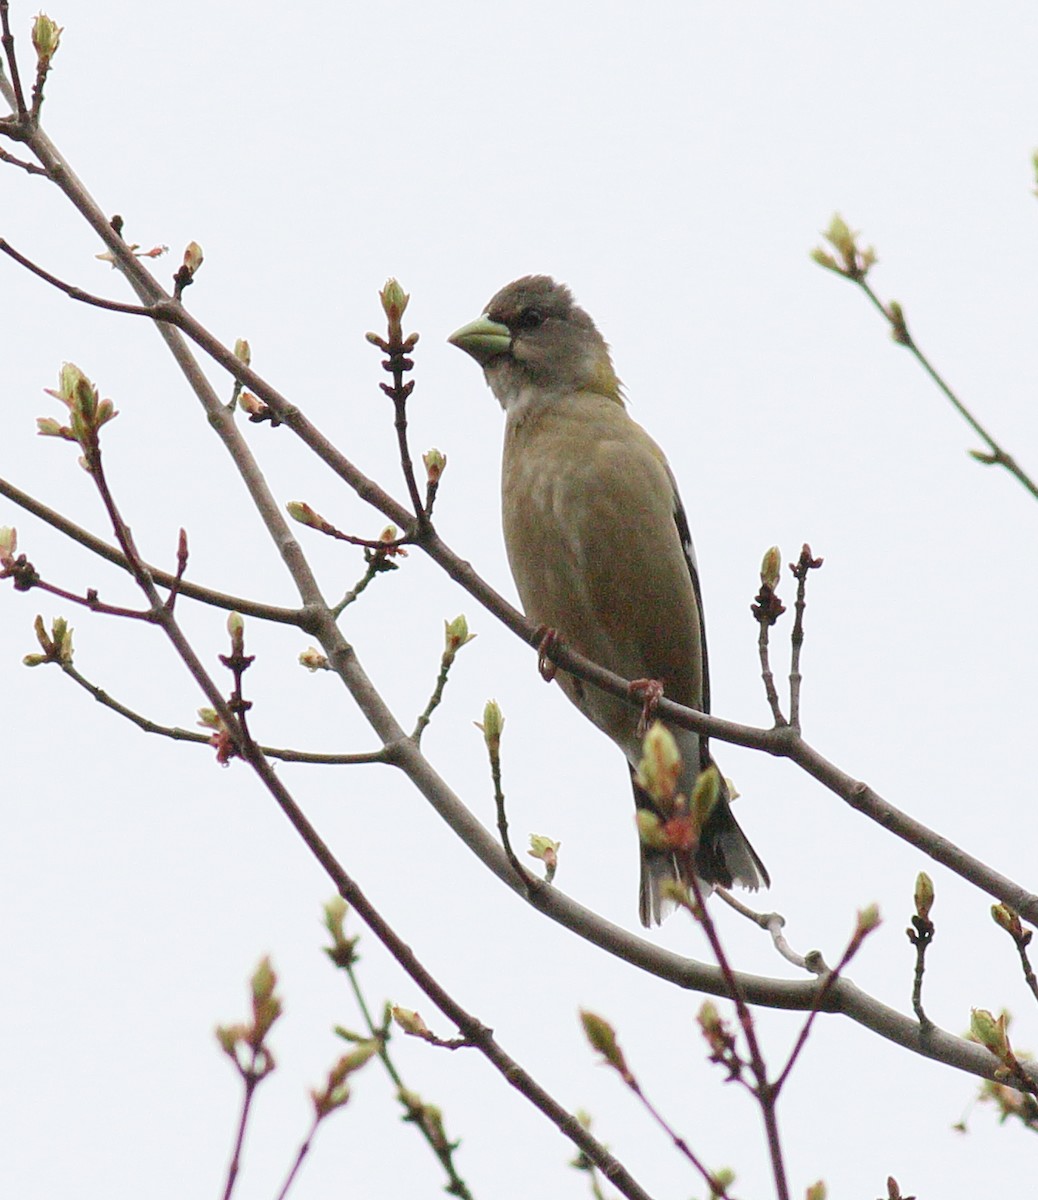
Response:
column 673, row 163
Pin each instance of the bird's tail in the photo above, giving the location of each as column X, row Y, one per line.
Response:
column 724, row 856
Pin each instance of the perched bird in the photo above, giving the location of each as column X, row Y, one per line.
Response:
column 599, row 546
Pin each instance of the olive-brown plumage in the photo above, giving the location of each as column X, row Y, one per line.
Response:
column 598, row 543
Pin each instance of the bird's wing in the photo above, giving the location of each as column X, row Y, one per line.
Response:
column 685, row 534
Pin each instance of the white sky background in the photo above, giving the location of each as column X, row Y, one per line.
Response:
column 673, row 163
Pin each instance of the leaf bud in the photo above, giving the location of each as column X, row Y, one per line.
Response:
column 771, row 567
column 435, row 464
column 492, row 725
column 924, row 896
column 660, row 767
column 46, row 37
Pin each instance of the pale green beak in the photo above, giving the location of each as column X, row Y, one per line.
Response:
column 484, row 339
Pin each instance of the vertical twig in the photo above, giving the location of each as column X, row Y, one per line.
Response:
column 397, row 348
column 12, row 61
column 800, row 569
column 766, row 609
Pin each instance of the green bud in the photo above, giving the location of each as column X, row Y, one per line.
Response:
column 229, row 1036
column 251, row 404
column 898, row 325
column 825, row 259
column 771, row 567
column 61, row 632
column 242, row 351
column 673, row 889
column 924, row 895
column 394, row 300
column 410, row 1021
column 431, row 1118
column 840, row 237
column 266, row 1007
column 602, row 1038
column 88, row 412
column 1008, row 920
column 705, row 794
column 334, row 917
column 455, row 635
column 193, row 257
column 46, row 37
column 723, row 1178
column 304, row 514
column 435, row 464
column 546, row 851
column 660, row 767
column 336, row 1090
column 313, row 660
column 264, row 980
column 354, row 1059
column 868, row 920
column 650, row 830
column 8, row 544
column 49, row 427
column 989, row 1031
column 817, row 1191
column 708, row 1017
column 493, row 725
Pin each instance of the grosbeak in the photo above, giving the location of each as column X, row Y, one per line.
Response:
column 599, row 546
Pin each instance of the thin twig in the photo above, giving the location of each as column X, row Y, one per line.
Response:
column 773, row 923
column 443, row 1149
column 766, row 609
column 160, row 311
column 397, row 348
column 98, row 546
column 921, row 934
column 303, row 1151
column 854, row 264
column 717, row 1188
column 376, row 566
column 767, row 675
column 91, row 601
column 998, row 456
column 766, row 1093
column 1008, row 920
column 249, row 1080
column 865, row 926
column 800, row 568
column 493, row 724
column 12, row 65
column 29, row 167
column 177, row 734
column 434, row 700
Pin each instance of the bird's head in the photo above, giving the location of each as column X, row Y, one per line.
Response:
column 534, row 338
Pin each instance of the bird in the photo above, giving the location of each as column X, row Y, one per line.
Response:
column 599, row 547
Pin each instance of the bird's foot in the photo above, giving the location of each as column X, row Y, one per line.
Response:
column 650, row 693
column 549, row 639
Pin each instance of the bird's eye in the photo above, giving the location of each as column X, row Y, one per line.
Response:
column 530, row 318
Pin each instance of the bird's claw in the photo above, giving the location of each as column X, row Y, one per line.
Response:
column 549, row 639
column 650, row 692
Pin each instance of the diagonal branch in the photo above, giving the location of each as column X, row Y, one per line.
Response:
column 98, row 546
